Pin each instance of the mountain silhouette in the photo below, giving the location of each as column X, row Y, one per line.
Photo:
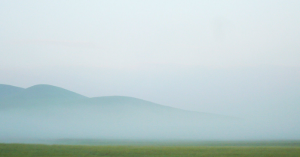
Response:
column 45, row 110
column 36, row 95
column 7, row 90
column 50, row 92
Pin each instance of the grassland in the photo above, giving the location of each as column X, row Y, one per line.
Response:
column 32, row 150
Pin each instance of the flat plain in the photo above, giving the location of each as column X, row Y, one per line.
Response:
column 40, row 150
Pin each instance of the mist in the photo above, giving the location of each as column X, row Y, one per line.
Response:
column 225, row 70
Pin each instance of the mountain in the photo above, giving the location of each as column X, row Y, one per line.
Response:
column 50, row 92
column 36, row 95
column 39, row 95
column 44, row 111
column 7, row 90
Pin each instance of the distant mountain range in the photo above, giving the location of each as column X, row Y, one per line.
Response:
column 45, row 111
column 47, row 96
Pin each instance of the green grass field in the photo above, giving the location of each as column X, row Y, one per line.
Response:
column 33, row 150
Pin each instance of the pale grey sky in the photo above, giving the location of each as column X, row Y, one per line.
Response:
column 130, row 34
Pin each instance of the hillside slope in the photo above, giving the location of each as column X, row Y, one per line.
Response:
column 45, row 111
column 38, row 95
column 7, row 90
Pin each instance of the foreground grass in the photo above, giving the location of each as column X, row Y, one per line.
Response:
column 32, row 150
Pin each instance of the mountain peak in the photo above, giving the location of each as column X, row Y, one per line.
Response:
column 49, row 91
column 40, row 86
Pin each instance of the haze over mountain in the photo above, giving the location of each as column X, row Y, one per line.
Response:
column 7, row 90
column 49, row 112
column 44, row 111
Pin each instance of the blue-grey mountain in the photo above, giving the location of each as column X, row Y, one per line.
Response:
column 45, row 111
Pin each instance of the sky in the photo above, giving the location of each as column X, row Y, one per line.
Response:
column 197, row 55
column 129, row 34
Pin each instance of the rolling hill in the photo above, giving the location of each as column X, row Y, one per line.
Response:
column 7, row 90
column 45, row 111
column 36, row 96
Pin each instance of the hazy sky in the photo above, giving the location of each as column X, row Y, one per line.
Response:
column 127, row 34
column 153, row 49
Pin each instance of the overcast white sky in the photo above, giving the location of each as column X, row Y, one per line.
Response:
column 126, row 34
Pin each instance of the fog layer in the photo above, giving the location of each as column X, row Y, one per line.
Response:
column 48, row 112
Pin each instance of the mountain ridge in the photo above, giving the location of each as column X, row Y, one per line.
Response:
column 50, row 95
column 44, row 111
column 6, row 90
